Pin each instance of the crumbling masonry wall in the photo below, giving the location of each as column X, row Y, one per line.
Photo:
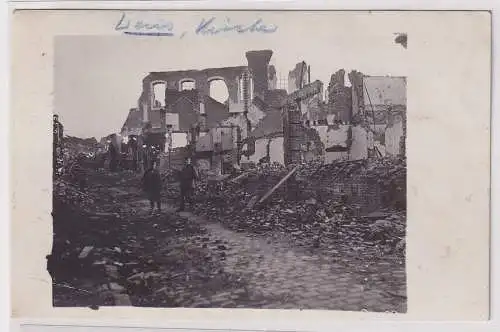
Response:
column 339, row 98
column 298, row 77
column 201, row 78
column 258, row 63
column 375, row 114
column 260, row 75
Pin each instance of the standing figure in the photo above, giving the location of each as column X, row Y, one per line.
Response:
column 113, row 157
column 151, row 183
column 187, row 177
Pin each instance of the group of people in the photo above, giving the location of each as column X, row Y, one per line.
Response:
column 152, row 184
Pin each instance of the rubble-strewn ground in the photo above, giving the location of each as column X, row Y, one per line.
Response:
column 317, row 252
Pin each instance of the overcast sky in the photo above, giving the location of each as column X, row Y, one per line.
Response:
column 98, row 78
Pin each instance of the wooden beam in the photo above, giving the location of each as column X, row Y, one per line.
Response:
column 239, row 177
column 273, row 189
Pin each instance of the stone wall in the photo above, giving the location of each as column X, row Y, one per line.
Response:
column 339, row 98
column 261, row 147
column 300, row 71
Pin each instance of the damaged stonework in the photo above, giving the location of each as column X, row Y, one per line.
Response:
column 258, row 63
column 272, row 78
column 260, row 123
column 180, row 102
column 358, row 122
column 382, row 111
column 241, row 82
column 336, row 140
column 339, row 99
column 267, row 149
column 357, row 95
column 394, row 135
column 313, row 147
column 299, row 77
column 268, row 139
column 201, row 78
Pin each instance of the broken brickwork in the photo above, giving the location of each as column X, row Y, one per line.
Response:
column 298, row 77
column 258, row 63
column 357, row 95
column 236, row 79
column 339, row 98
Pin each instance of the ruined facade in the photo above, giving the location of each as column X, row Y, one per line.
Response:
column 254, row 123
column 299, row 77
column 339, row 105
column 184, row 106
column 357, row 122
column 380, row 109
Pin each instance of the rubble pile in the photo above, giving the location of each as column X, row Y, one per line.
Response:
column 68, row 193
column 237, row 192
column 319, row 217
column 106, row 237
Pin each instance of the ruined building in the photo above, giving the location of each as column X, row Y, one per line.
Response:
column 185, row 108
column 354, row 122
column 363, row 120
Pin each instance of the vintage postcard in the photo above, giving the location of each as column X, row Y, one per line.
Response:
column 335, row 163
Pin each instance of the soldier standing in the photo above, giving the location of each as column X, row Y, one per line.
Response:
column 187, row 177
column 151, row 183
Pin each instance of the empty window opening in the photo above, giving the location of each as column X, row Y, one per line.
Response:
column 179, row 140
column 187, row 85
column 219, row 91
column 159, row 90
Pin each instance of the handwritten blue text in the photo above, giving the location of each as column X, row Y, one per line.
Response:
column 212, row 27
column 141, row 28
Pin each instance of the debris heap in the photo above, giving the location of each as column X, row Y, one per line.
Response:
column 328, row 212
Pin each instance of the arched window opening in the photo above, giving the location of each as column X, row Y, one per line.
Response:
column 159, row 90
column 187, row 85
column 218, row 90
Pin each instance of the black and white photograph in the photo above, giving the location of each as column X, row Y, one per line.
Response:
column 263, row 174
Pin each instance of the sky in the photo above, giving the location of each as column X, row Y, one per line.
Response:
column 97, row 78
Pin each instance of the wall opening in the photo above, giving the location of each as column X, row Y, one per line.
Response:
column 187, row 85
column 179, row 140
column 347, row 81
column 159, row 90
column 218, row 90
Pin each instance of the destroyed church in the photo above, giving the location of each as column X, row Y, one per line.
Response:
column 263, row 122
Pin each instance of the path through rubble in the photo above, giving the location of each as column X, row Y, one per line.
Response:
column 185, row 260
column 279, row 276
